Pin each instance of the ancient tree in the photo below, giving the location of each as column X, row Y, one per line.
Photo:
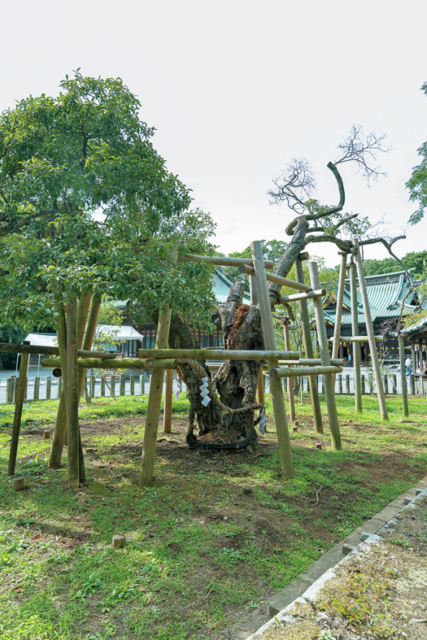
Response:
column 241, row 327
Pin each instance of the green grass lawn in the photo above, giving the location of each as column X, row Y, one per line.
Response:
column 201, row 554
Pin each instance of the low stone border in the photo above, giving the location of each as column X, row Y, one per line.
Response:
column 319, row 570
column 306, row 587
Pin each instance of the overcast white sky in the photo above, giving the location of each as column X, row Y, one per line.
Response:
column 237, row 89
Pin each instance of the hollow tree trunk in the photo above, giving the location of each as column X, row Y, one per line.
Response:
column 236, row 380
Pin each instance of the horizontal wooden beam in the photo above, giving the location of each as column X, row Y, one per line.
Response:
column 49, row 351
column 311, row 362
column 217, row 354
column 114, row 363
column 272, row 277
column 358, row 339
column 304, row 295
column 292, row 372
column 222, row 261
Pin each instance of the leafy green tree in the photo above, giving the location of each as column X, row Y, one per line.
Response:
column 417, row 184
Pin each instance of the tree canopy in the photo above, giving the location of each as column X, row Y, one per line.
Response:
column 417, row 184
column 87, row 204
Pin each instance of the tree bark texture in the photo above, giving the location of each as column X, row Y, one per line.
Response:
column 236, row 381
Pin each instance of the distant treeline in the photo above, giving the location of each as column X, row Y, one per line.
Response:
column 414, row 260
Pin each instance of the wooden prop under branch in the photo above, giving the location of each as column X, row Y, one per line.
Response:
column 319, row 293
column 271, row 277
column 217, row 354
column 357, row 339
column 293, row 372
column 221, row 261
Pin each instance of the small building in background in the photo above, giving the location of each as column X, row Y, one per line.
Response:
column 386, row 293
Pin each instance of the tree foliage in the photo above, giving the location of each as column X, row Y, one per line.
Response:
column 417, row 184
column 87, row 204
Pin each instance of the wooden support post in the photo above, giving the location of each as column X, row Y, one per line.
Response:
column 403, row 375
column 339, row 303
column 122, row 384
column 132, row 385
column 362, row 385
column 9, row 391
column 412, row 383
column 72, row 396
column 92, row 378
column 291, row 386
column 36, row 395
column 48, row 387
column 347, row 384
column 26, row 389
column 102, row 385
column 252, row 291
column 18, row 414
column 413, row 357
column 141, row 383
column 154, row 402
column 113, row 386
column 167, row 411
column 370, row 332
column 285, row 453
column 355, row 332
column 371, row 386
column 324, row 355
column 385, row 384
column 394, row 384
column 260, row 387
column 340, row 384
column 308, row 349
column 60, row 433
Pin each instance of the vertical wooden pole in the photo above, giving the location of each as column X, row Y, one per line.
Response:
column 122, row 384
column 48, row 387
column 413, row 356
column 132, row 385
column 102, row 385
column 340, row 299
column 291, row 386
column 36, row 395
column 370, row 332
column 403, row 375
column 18, row 413
column 412, row 382
column 113, row 386
column 154, row 401
column 394, row 384
column 340, row 384
column 72, row 396
column 285, row 453
column 253, row 291
column 141, row 384
column 167, row 412
column 59, row 436
column 308, row 348
column 386, row 384
column 325, row 359
column 92, row 383
column 362, row 385
column 347, row 384
column 260, row 386
column 355, row 332
column 9, row 391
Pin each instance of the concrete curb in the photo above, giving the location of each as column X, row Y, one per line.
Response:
column 322, row 568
